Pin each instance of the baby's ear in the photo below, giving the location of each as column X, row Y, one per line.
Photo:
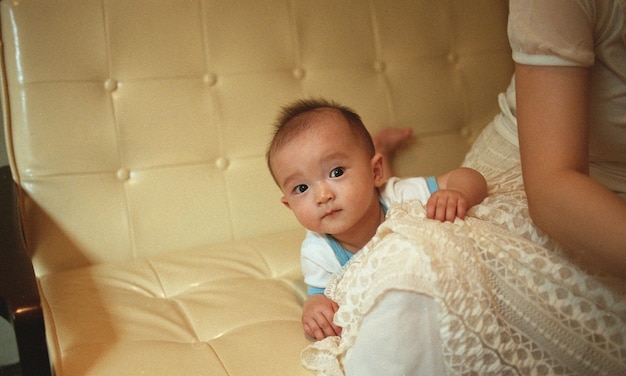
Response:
column 285, row 202
column 378, row 169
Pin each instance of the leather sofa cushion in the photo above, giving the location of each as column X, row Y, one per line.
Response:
column 228, row 309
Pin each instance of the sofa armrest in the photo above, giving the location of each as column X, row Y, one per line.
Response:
column 19, row 296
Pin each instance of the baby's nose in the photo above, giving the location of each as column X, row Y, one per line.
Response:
column 324, row 194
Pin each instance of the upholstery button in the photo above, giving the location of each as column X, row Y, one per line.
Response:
column 123, row 174
column 452, row 57
column 110, row 85
column 379, row 66
column 222, row 163
column 196, row 345
column 466, row 132
column 210, row 79
column 299, row 73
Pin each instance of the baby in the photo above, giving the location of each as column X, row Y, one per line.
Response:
column 324, row 161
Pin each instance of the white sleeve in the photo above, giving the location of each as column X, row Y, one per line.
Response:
column 552, row 32
column 318, row 260
column 400, row 190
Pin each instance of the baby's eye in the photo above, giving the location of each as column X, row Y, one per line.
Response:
column 301, row 188
column 336, row 172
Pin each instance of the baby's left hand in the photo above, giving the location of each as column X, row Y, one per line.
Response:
column 446, row 205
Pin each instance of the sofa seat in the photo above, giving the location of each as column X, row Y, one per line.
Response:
column 147, row 317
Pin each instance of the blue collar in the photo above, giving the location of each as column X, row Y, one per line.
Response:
column 342, row 254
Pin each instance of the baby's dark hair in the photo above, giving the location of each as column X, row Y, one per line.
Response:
column 296, row 117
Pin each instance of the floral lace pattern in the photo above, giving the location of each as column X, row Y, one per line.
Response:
column 510, row 301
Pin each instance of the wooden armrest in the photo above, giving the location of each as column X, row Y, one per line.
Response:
column 19, row 297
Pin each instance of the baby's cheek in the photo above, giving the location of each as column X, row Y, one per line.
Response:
column 304, row 217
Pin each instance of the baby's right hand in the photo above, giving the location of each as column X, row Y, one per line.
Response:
column 317, row 317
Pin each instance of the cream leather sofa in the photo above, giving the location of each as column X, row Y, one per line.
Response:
column 138, row 189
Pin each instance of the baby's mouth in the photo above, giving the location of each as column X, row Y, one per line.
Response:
column 331, row 212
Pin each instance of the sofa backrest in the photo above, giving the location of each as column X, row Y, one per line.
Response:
column 137, row 127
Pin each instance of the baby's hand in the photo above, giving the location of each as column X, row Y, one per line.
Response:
column 446, row 205
column 317, row 317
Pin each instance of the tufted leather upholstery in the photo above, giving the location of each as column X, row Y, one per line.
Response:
column 137, row 132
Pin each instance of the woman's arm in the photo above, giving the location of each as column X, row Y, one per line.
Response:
column 553, row 126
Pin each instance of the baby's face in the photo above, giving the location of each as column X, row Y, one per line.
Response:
column 327, row 179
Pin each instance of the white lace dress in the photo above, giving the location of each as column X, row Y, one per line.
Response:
column 509, row 301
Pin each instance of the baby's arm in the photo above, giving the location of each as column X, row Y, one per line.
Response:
column 459, row 190
column 317, row 317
